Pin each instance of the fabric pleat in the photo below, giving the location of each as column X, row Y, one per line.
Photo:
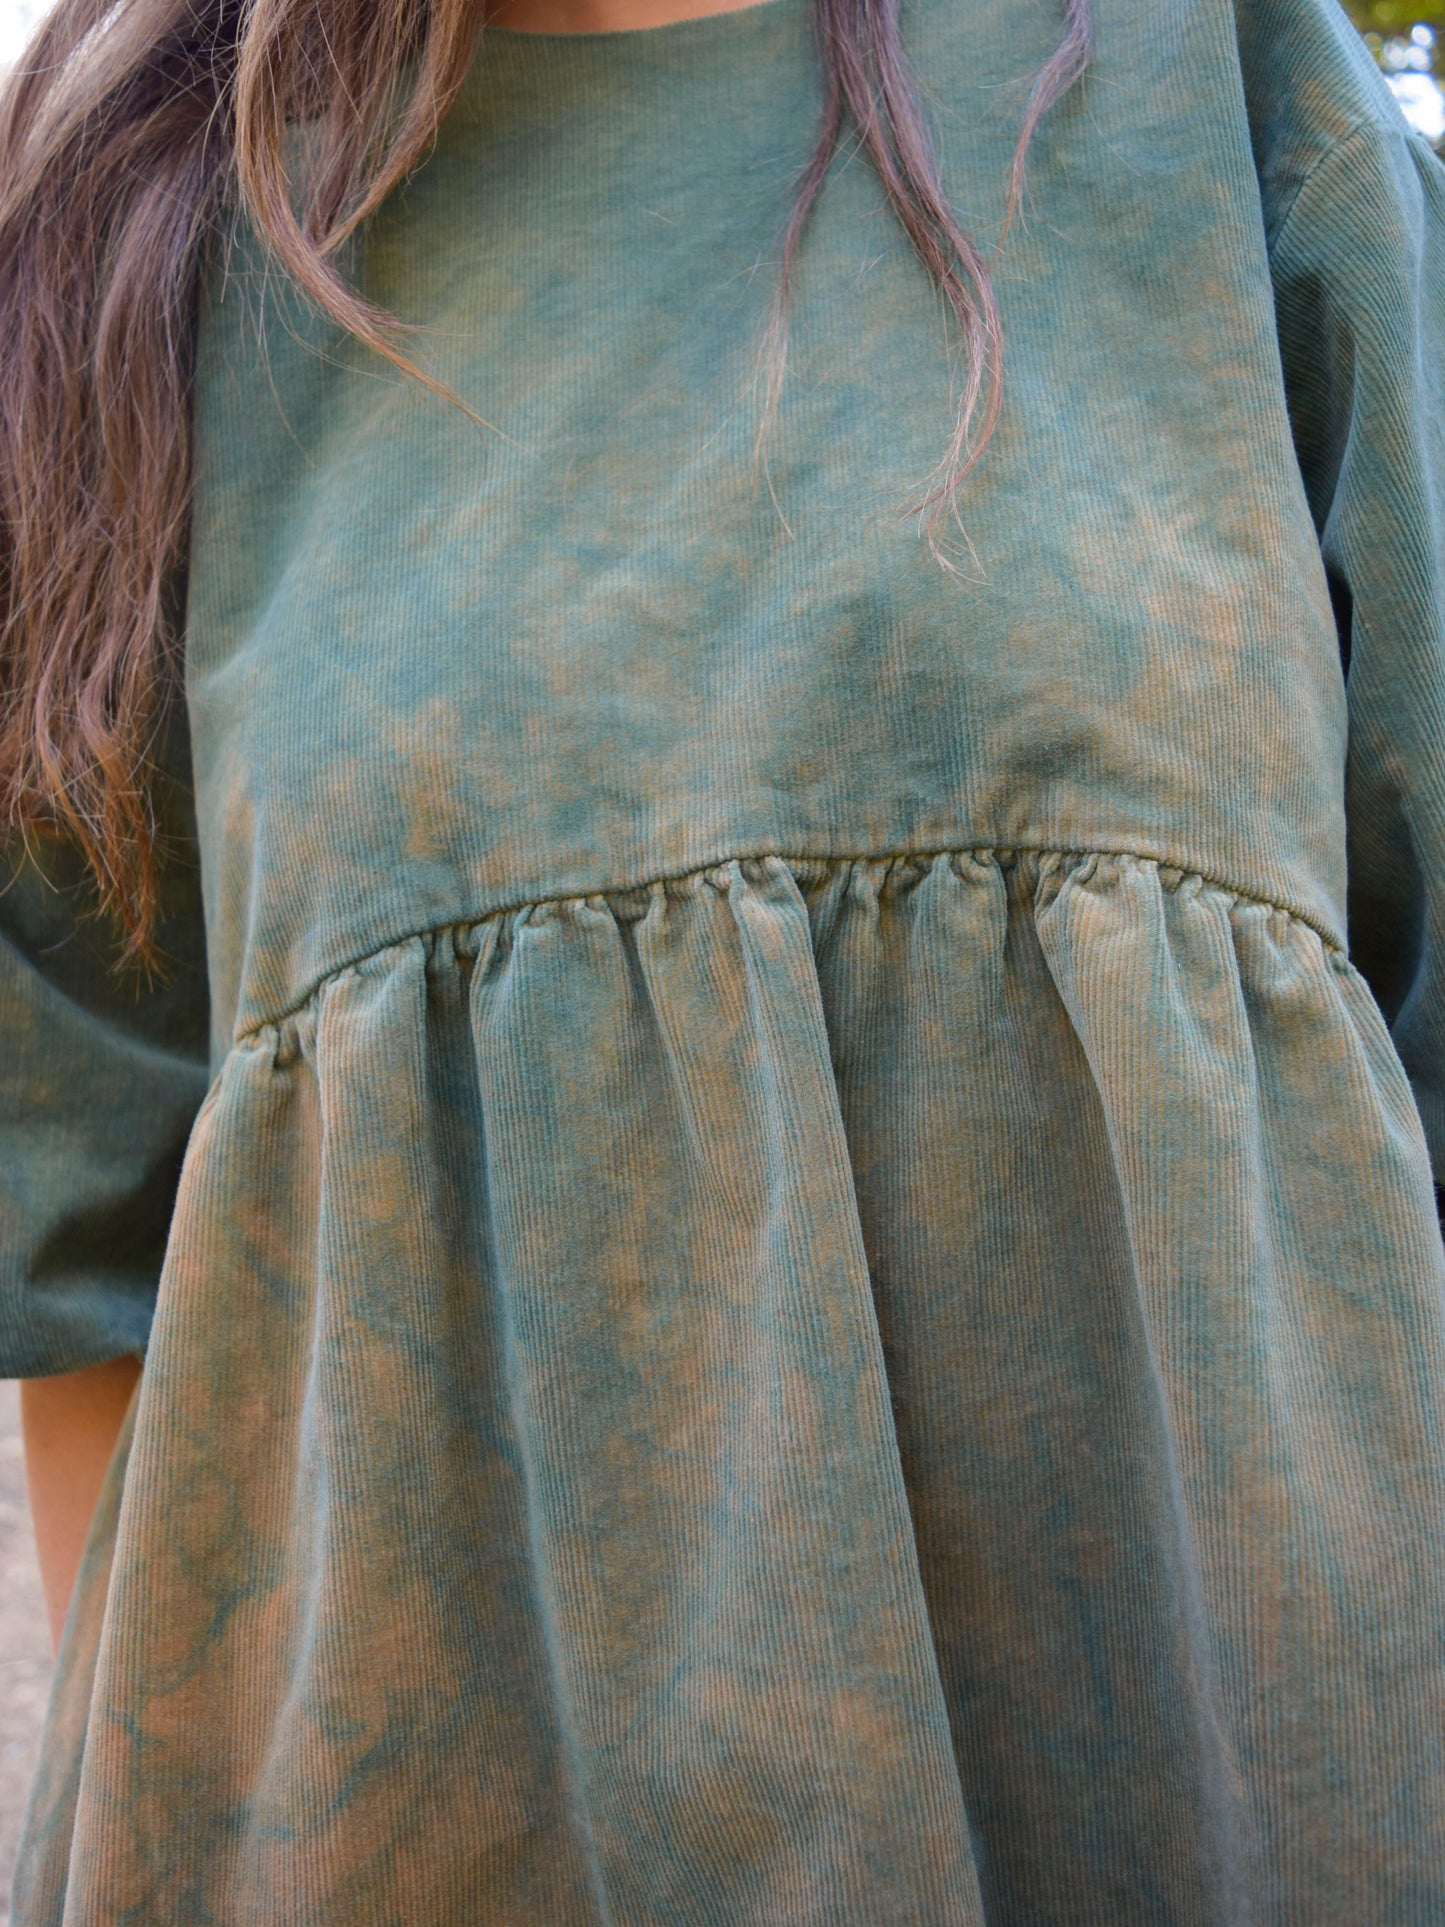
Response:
column 802, row 1392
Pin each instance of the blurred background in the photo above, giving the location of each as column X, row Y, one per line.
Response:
column 1407, row 39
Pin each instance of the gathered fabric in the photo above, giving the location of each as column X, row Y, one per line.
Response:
column 779, row 1198
column 768, row 1370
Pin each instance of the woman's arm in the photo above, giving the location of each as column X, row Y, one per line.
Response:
column 70, row 1423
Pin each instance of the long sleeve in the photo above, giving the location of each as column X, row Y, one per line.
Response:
column 100, row 1082
column 1358, row 257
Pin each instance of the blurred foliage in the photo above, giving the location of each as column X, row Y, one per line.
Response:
column 1395, row 16
column 1407, row 38
column 1388, row 22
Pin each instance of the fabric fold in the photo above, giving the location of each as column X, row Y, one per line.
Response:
column 880, row 1375
column 1297, row 1328
column 724, row 1521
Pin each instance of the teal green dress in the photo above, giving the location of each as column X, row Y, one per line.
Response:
column 780, row 1201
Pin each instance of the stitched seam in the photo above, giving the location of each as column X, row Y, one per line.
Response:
column 1326, row 160
column 999, row 852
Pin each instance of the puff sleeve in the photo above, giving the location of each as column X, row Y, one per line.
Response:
column 1358, row 264
column 100, row 1082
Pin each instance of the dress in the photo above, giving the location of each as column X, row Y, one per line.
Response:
column 805, row 1284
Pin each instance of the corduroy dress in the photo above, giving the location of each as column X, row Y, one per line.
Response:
column 780, row 1200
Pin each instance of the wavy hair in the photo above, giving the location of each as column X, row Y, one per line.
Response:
column 129, row 130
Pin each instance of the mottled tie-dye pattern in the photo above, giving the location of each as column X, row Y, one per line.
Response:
column 805, row 1287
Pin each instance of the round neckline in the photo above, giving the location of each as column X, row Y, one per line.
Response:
column 689, row 23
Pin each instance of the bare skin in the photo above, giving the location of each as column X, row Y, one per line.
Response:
column 70, row 1423
column 603, row 16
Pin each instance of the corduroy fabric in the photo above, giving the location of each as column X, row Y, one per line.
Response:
column 804, row 1285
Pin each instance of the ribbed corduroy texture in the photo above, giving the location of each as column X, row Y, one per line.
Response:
column 805, row 1288
column 539, row 1546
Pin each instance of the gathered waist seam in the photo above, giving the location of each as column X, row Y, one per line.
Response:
column 1004, row 855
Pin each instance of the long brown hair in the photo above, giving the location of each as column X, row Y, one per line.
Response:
column 128, row 130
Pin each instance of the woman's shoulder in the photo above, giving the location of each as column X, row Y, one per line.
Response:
column 1311, row 89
